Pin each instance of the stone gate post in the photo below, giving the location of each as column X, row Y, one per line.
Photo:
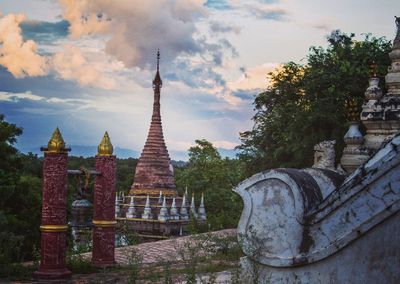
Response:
column 54, row 210
column 103, row 205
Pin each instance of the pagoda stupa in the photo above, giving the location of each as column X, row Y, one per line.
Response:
column 154, row 172
column 153, row 208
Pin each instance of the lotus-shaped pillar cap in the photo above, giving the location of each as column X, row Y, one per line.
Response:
column 105, row 147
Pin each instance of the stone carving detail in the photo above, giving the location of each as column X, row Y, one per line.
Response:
column 324, row 156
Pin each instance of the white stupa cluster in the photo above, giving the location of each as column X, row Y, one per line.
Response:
column 165, row 213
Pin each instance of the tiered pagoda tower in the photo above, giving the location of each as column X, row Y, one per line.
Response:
column 153, row 208
column 154, row 172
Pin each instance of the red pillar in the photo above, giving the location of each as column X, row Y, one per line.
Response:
column 104, row 206
column 54, row 211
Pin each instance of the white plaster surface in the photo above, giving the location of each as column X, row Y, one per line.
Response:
column 374, row 258
column 287, row 231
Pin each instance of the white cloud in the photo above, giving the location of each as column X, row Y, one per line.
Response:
column 5, row 96
column 73, row 64
column 18, row 56
column 224, row 144
column 137, row 28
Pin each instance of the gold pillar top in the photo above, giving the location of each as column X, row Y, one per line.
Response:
column 56, row 143
column 105, row 147
column 353, row 112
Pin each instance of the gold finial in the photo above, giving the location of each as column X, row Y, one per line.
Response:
column 56, row 143
column 158, row 59
column 353, row 112
column 372, row 69
column 105, row 147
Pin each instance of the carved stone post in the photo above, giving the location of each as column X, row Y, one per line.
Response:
column 54, row 211
column 103, row 205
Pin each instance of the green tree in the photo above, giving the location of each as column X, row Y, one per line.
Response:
column 208, row 173
column 20, row 201
column 125, row 173
column 305, row 104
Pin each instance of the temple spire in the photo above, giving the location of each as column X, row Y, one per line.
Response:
column 157, row 82
column 153, row 172
column 158, row 60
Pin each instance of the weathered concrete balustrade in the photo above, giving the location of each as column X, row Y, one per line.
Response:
column 296, row 223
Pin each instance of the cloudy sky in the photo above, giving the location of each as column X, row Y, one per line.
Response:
column 87, row 65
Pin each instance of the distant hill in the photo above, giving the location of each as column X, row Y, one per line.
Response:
column 179, row 157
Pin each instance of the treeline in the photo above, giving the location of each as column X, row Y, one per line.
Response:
column 307, row 103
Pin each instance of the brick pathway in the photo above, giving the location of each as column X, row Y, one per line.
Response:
column 154, row 252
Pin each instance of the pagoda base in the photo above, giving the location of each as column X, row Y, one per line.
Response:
column 152, row 229
column 153, row 191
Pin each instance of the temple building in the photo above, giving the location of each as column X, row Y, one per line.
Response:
column 153, row 207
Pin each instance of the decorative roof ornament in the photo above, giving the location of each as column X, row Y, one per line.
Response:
column 157, row 82
column 355, row 153
column 193, row 207
column 373, row 92
column 160, row 200
column 147, row 210
column 183, row 211
column 163, row 215
column 185, row 197
column 131, row 210
column 392, row 79
column 56, row 143
column 372, row 109
column 373, row 69
column 353, row 113
column 396, row 41
column 174, row 211
column 202, row 210
column 105, row 147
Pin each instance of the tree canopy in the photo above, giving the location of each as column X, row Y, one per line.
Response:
column 20, row 200
column 207, row 172
column 306, row 104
